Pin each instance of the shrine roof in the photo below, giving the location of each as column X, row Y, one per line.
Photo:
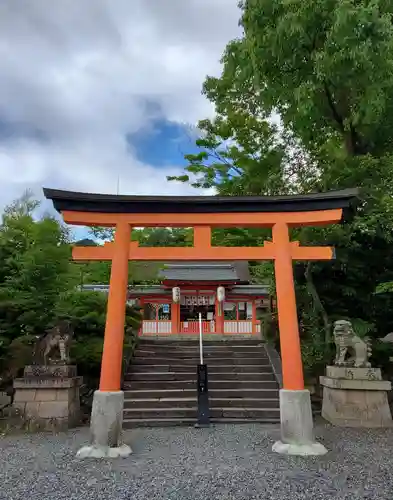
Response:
column 109, row 203
column 145, row 290
column 206, row 271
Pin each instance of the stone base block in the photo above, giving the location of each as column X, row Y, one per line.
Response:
column 106, row 427
column 50, row 401
column 356, row 397
column 44, row 371
column 302, row 450
column 297, row 436
column 352, row 373
column 95, row 451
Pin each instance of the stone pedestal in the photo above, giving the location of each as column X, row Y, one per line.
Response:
column 47, row 397
column 355, row 397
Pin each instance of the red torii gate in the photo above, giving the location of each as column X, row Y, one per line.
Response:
column 203, row 213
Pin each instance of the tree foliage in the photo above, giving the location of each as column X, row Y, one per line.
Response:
column 325, row 67
column 35, row 269
column 87, row 313
column 140, row 272
column 304, row 104
column 38, row 286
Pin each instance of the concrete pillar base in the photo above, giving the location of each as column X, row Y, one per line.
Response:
column 297, row 436
column 301, row 450
column 106, row 427
column 94, row 451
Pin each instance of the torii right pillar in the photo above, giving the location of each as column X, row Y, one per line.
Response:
column 297, row 437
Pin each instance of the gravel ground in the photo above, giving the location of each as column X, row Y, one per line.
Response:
column 222, row 463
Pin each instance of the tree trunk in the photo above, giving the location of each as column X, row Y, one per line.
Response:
column 318, row 304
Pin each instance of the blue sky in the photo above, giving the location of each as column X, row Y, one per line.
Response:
column 164, row 144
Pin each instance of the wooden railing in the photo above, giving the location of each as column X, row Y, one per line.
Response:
column 241, row 326
column 164, row 327
column 193, row 327
column 161, row 327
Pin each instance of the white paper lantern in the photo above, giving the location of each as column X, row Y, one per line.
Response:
column 176, row 294
column 220, row 294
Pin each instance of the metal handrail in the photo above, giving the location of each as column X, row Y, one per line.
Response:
column 200, row 339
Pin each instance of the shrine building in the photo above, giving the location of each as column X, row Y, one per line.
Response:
column 197, row 285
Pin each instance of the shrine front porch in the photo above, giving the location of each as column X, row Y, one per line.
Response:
column 191, row 328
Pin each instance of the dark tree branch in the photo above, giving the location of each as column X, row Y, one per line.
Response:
column 218, row 157
column 318, row 304
column 351, row 137
column 337, row 117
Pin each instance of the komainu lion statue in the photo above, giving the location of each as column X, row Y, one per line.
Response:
column 348, row 343
column 59, row 337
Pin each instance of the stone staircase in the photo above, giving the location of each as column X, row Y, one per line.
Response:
column 160, row 386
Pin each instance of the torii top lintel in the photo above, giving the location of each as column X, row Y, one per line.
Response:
column 216, row 211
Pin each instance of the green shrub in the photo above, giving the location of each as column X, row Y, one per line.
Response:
column 87, row 313
column 86, row 353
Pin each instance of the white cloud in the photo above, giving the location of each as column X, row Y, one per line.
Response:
column 76, row 77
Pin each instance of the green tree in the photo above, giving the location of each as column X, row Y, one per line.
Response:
column 323, row 72
column 33, row 275
column 38, row 286
column 87, row 313
column 163, row 237
column 325, row 67
column 242, row 153
column 35, row 257
column 140, row 273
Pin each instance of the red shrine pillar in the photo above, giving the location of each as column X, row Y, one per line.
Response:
column 219, row 317
column 175, row 318
column 112, row 354
column 254, row 316
column 292, row 366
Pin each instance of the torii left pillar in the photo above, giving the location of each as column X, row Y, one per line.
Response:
column 107, row 412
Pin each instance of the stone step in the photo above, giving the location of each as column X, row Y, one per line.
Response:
column 191, row 384
column 157, row 422
column 213, row 376
column 191, row 402
column 191, row 393
column 226, row 340
column 145, row 351
column 161, row 389
column 235, row 367
column 191, row 412
column 206, row 348
column 153, row 361
column 173, row 353
column 244, row 403
column 190, row 422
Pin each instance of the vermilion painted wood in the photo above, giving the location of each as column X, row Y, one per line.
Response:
column 292, row 365
column 266, row 252
column 235, row 219
column 112, row 354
